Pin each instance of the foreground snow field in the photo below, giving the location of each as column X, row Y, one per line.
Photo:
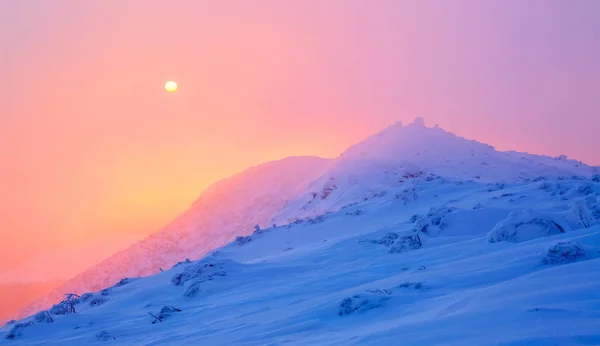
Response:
column 413, row 237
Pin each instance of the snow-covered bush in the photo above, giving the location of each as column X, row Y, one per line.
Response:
column 433, row 222
column 122, row 282
column 413, row 175
column 387, row 240
column 179, row 279
column 545, row 186
column 258, row 230
column 186, row 261
column 8, row 323
column 596, row 178
column 523, row 225
column 583, row 215
column 585, row 189
column 105, row 336
column 407, row 243
column 96, row 301
column 414, row 218
column 363, row 302
column 415, row 285
column 195, row 271
column 194, row 288
column 197, row 274
column 63, row 308
column 564, row 252
column 17, row 330
column 349, row 205
column 315, row 220
column 355, row 213
column 398, row 243
column 43, row 317
column 86, row 296
column 106, row 292
column 431, row 177
column 495, row 187
column 478, row 206
column 165, row 313
column 422, row 225
column 241, row 240
column 408, row 195
column 74, row 298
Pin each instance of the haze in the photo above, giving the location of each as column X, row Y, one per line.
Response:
column 95, row 154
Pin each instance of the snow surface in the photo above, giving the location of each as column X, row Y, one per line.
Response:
column 414, row 236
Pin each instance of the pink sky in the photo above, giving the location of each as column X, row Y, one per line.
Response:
column 93, row 148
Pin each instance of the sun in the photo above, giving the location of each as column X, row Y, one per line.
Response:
column 171, row 86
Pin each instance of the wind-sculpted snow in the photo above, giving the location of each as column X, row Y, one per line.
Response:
column 524, row 225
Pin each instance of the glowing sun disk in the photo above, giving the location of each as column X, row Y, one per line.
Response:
column 171, row 86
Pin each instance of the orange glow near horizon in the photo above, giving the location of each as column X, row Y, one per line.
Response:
column 93, row 148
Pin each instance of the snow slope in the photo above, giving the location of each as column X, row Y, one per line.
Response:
column 228, row 208
column 384, row 166
column 463, row 263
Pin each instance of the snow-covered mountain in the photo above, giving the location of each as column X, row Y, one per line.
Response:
column 228, row 208
column 327, row 207
column 460, row 263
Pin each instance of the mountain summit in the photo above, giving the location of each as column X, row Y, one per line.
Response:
column 385, row 162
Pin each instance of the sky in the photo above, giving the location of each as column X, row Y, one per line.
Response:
column 95, row 154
